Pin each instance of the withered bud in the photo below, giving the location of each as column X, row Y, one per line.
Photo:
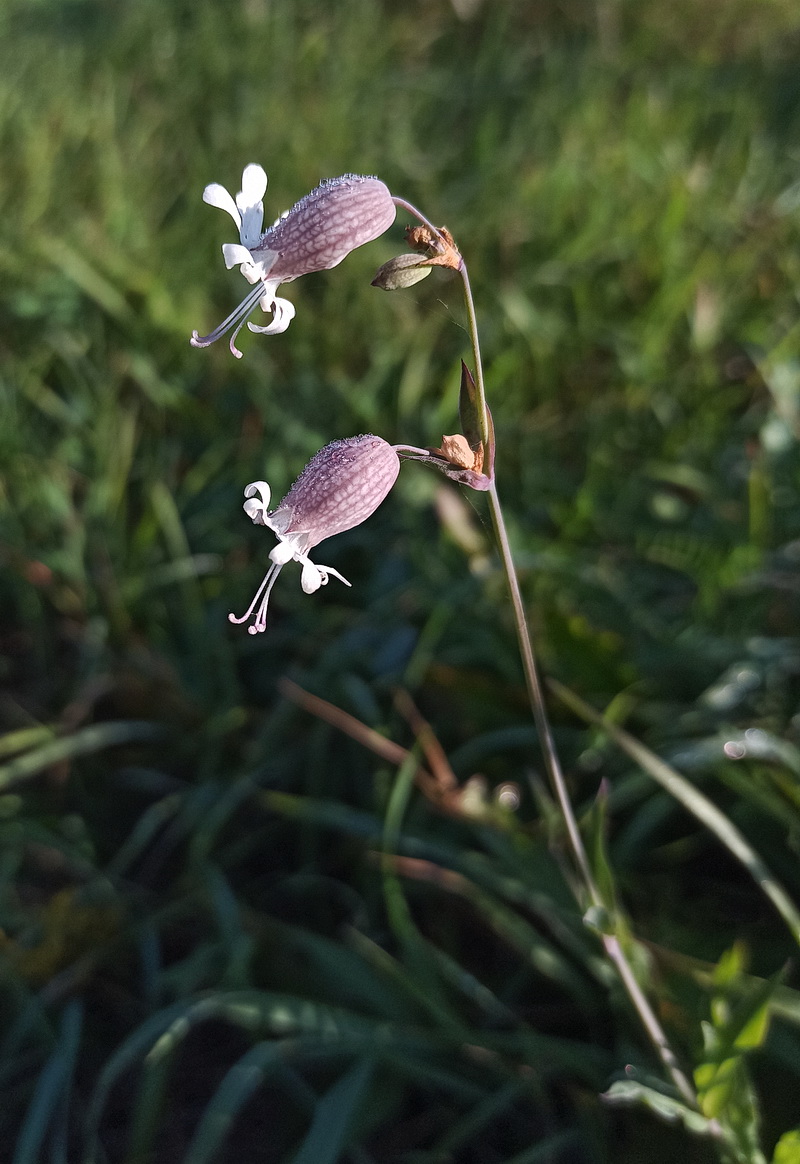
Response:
column 439, row 246
column 457, row 451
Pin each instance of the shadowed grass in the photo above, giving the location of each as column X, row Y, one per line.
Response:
column 623, row 180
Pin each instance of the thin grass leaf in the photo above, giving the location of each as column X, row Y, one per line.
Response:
column 23, row 739
column 147, row 826
column 666, row 1107
column 695, row 802
column 149, row 1106
column 238, row 1086
column 546, row 1150
column 492, row 1106
column 52, row 1088
column 334, row 1116
column 282, row 1016
column 132, row 1051
column 83, row 742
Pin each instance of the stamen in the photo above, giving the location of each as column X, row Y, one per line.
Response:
column 236, row 317
column 267, row 583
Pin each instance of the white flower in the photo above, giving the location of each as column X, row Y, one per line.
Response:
column 317, row 233
column 338, row 489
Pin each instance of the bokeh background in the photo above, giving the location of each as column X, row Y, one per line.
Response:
column 205, row 952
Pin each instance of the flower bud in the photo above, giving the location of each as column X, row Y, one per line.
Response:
column 400, row 272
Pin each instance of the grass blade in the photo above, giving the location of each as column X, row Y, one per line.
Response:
column 54, row 1083
column 694, row 802
column 334, row 1114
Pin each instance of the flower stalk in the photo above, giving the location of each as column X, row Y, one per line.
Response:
column 611, row 943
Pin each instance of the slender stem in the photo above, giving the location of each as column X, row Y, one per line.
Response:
column 536, row 696
column 648, row 1018
column 535, row 693
column 611, row 944
column 401, row 202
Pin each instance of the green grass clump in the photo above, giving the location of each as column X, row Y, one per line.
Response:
column 227, row 930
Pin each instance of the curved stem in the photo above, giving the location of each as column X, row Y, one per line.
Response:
column 401, row 202
column 611, row 943
column 536, row 697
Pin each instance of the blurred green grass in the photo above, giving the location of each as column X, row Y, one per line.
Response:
column 623, row 180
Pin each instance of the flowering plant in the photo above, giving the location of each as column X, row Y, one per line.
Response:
column 317, row 233
column 339, row 488
column 346, row 482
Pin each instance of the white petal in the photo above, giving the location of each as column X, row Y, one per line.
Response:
column 328, row 570
column 255, row 511
column 216, row 195
column 267, row 300
column 283, row 553
column 260, row 487
column 311, row 579
column 254, row 186
column 233, row 254
column 248, row 200
column 252, row 222
column 283, row 312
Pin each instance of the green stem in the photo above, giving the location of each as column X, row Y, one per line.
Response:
column 611, row 944
column 533, row 683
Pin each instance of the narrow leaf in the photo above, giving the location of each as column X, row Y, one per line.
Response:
column 629, row 1092
column 468, row 408
column 694, row 802
column 53, row 1085
column 334, row 1116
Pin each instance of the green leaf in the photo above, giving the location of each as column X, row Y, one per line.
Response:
column 597, row 819
column 787, row 1149
column 52, row 1088
column 334, row 1115
column 694, row 802
column 468, row 408
column 630, row 1092
column 80, row 743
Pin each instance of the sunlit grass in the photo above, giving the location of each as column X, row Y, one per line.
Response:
column 628, row 202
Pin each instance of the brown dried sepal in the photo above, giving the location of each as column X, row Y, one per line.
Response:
column 440, row 247
column 450, row 461
column 456, row 449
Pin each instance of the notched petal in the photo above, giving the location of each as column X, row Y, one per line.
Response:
column 258, row 487
column 311, row 578
column 216, row 195
column 283, row 312
column 254, row 185
column 234, row 254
